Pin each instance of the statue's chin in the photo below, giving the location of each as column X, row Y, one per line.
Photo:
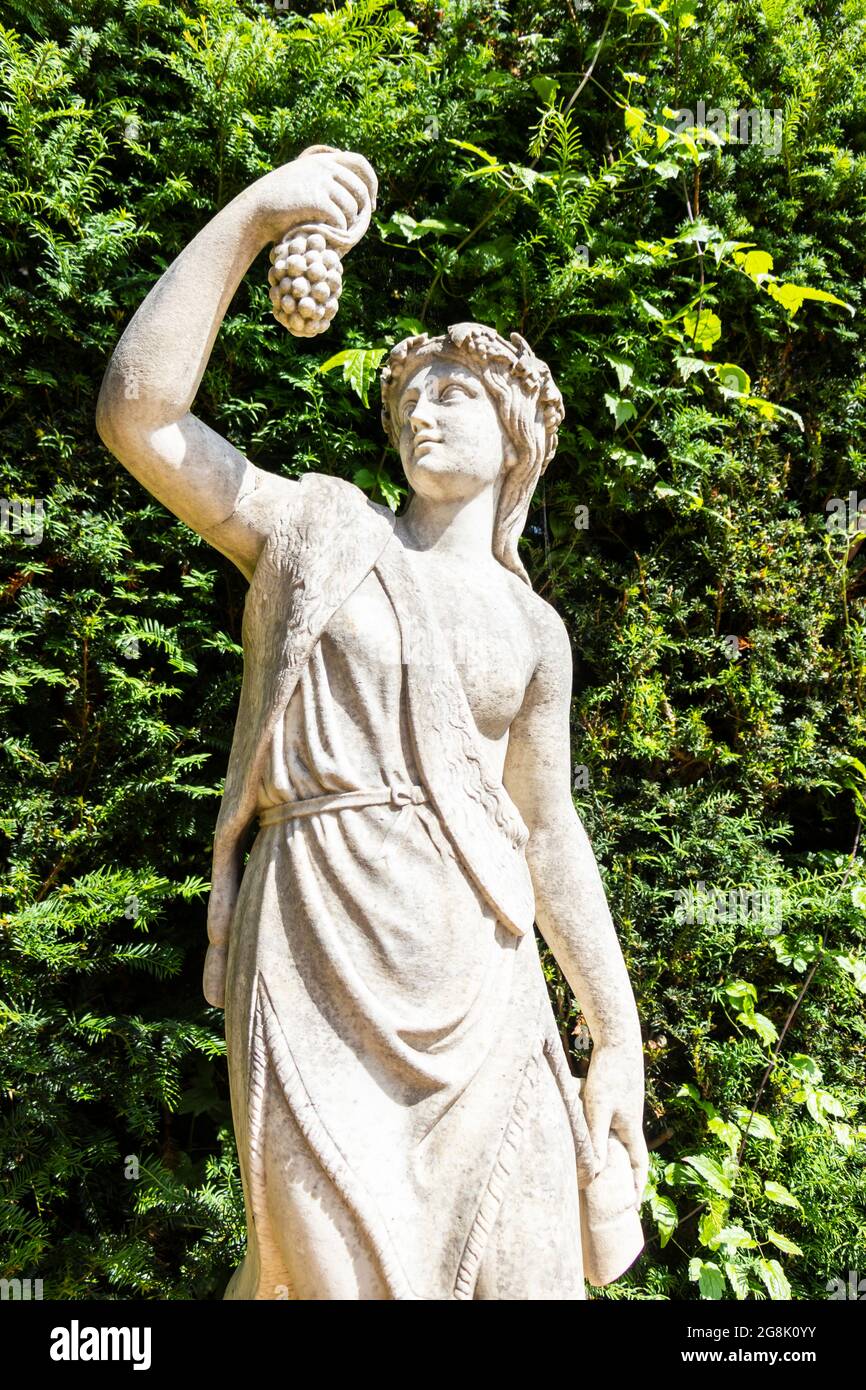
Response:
column 440, row 477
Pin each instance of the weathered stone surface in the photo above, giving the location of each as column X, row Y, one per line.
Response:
column 407, row 1123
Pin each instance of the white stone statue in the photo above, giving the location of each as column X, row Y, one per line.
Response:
column 407, row 1122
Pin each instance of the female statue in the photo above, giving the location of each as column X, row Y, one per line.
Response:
column 407, row 1123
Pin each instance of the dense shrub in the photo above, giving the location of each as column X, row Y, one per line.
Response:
column 536, row 172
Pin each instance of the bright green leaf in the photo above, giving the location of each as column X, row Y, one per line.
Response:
column 711, row 1172
column 708, row 1277
column 359, row 368
column 704, row 329
column 620, row 410
column 773, row 1276
column 783, row 1243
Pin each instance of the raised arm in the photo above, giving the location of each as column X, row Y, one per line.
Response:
column 571, row 907
column 143, row 414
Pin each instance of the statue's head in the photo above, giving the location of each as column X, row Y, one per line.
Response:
column 470, row 410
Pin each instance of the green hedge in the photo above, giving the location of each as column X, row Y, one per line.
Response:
column 534, row 174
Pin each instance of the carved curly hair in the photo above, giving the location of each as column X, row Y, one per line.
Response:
column 526, row 398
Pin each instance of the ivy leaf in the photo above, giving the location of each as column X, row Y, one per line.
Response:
column 688, row 143
column 711, row 1172
column 704, row 328
column 688, row 1088
column 854, row 966
column 406, row 225
column 635, row 120
column 678, row 1175
column 733, row 378
column 724, row 248
column 798, row 953
column 708, row 1277
column 698, row 231
column 783, row 1243
column 821, row 1103
column 726, row 1131
column 756, row 264
column 733, row 1238
column 546, row 87
column 443, row 225
column 773, row 1276
column 742, row 992
column 769, row 410
column 529, row 177
column 737, row 1279
column 650, row 310
column 665, row 1216
column 806, row 1067
column 759, row 1127
column 688, row 366
column 760, row 1024
column 858, row 892
column 359, row 368
column 791, row 297
column 620, row 410
column 624, row 370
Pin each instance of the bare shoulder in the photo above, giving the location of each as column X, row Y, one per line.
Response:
column 550, row 637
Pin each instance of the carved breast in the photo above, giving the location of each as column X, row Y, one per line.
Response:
column 486, row 634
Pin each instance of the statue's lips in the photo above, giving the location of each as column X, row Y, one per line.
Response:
column 424, row 442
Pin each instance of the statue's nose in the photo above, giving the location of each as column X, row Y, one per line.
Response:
column 420, row 414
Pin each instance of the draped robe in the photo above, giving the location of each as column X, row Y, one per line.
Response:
column 383, row 988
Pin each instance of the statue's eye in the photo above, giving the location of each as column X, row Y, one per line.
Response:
column 453, row 392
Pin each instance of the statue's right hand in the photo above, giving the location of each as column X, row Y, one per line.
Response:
column 323, row 185
column 214, row 979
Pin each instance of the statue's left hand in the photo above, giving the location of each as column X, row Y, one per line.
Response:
column 613, row 1098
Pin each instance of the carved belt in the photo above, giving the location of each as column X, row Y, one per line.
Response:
column 405, row 798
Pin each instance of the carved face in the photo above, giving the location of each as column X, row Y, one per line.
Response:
column 451, row 439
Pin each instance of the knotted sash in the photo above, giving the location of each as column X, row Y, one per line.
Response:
column 323, row 544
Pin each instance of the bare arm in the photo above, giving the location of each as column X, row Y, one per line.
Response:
column 571, row 907
column 143, row 414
